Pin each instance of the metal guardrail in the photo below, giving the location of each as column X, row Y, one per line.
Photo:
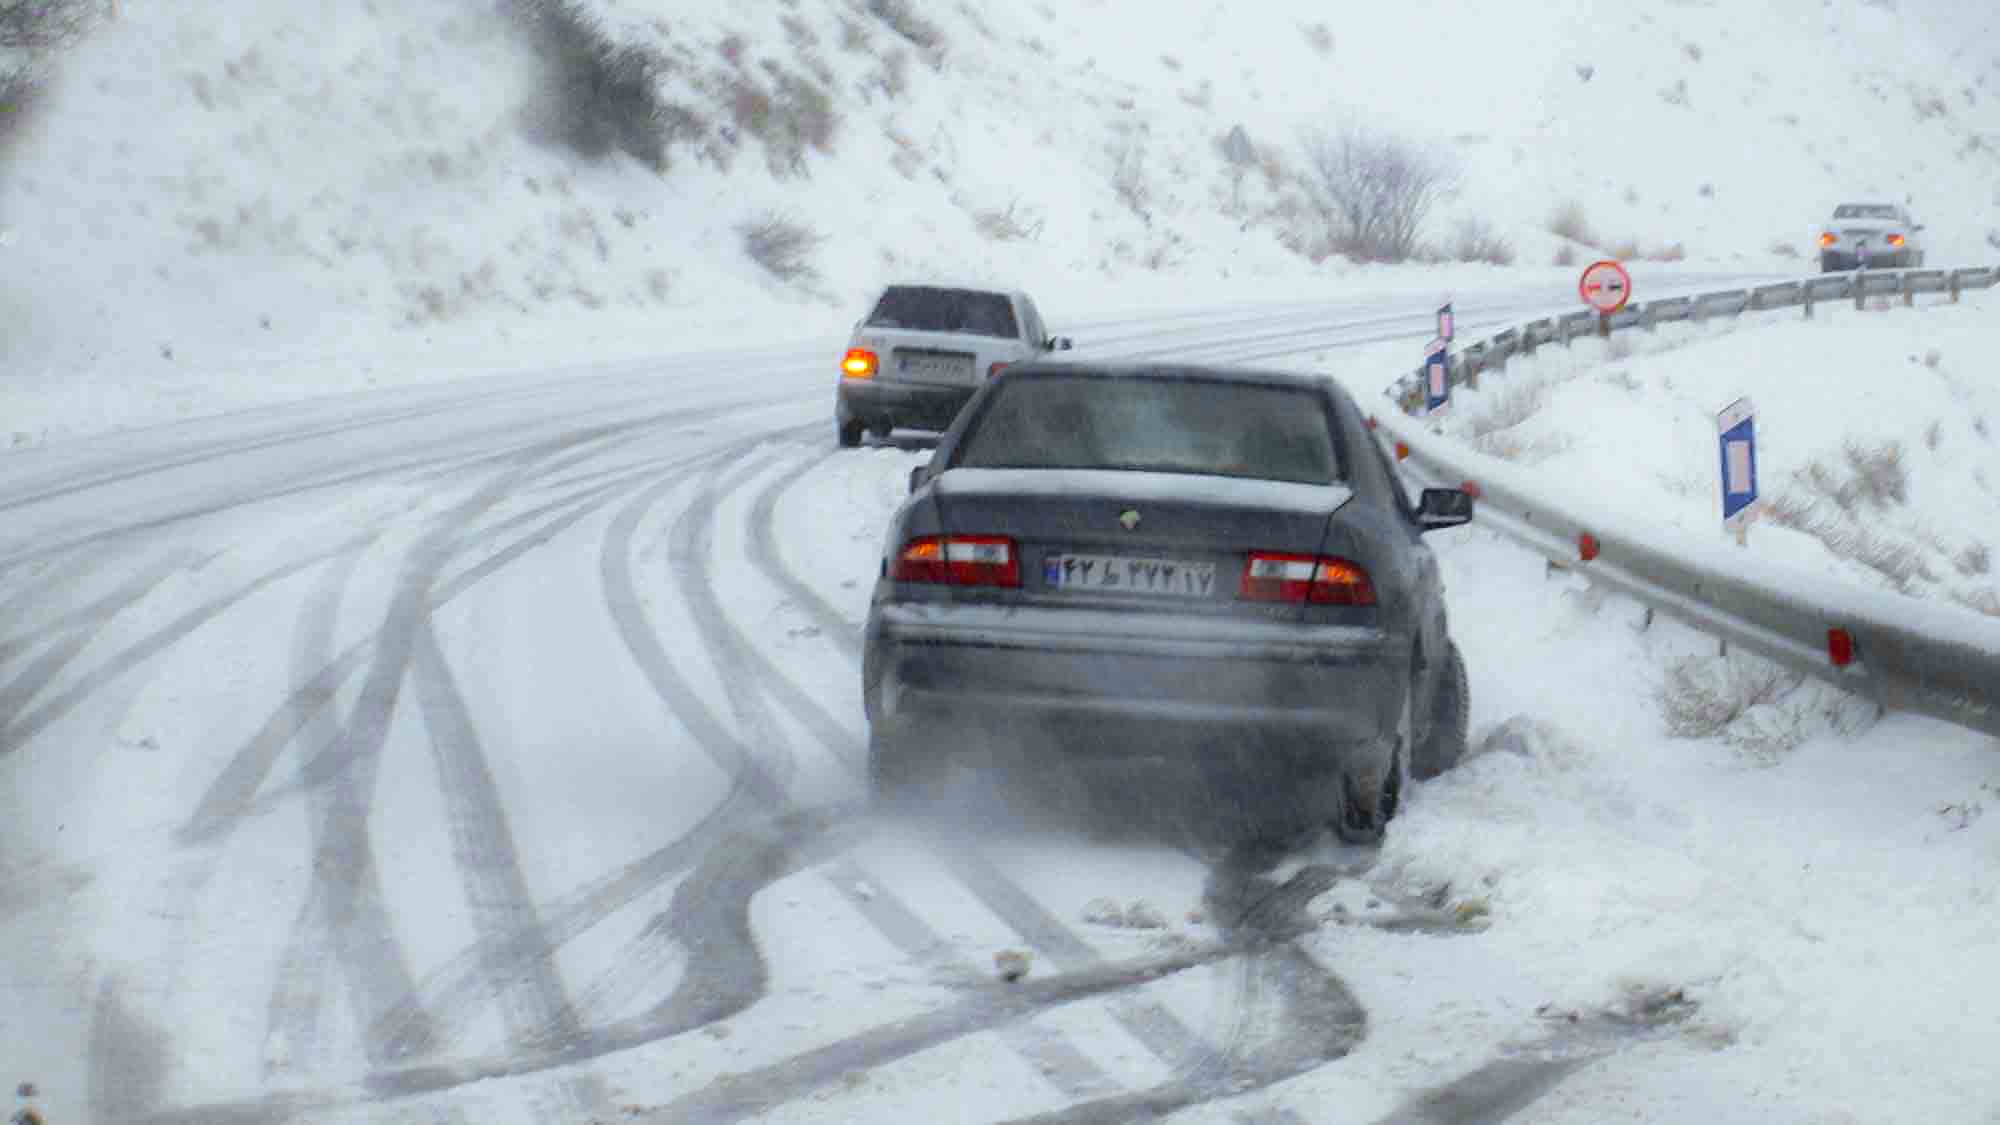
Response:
column 1906, row 654
column 1493, row 353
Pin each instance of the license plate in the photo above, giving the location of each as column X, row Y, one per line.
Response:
column 939, row 367
column 1173, row 578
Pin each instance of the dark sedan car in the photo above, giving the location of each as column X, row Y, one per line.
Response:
column 1207, row 572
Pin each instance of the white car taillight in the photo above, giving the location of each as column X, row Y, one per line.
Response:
column 1273, row 577
column 958, row 560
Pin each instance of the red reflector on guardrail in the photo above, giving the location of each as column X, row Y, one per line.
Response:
column 1586, row 546
column 1372, row 423
column 1402, row 451
column 1471, row 488
column 1840, row 647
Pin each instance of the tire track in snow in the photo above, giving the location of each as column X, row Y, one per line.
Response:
column 73, row 631
column 344, row 916
column 25, row 727
column 534, row 1004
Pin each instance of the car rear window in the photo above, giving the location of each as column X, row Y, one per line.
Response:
column 927, row 309
column 1254, row 430
column 1864, row 211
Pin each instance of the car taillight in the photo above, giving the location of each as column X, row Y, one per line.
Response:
column 1269, row 577
column 1895, row 240
column 958, row 560
column 1828, row 239
column 993, row 369
column 858, row 363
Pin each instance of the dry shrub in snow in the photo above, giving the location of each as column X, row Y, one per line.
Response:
column 1701, row 696
column 597, row 96
column 1372, row 190
column 1975, row 560
column 1012, row 223
column 1475, row 240
column 784, row 247
column 1568, row 221
column 1319, row 37
column 1128, row 174
column 1565, row 255
column 902, row 18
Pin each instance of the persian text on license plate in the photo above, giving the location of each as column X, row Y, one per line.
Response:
column 936, row 366
column 1125, row 574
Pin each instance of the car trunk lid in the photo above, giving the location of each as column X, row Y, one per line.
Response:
column 1169, row 542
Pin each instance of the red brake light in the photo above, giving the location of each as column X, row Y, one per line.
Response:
column 995, row 369
column 1272, row 577
column 1828, row 239
column 1840, row 647
column 858, row 363
column 958, row 560
column 1895, row 240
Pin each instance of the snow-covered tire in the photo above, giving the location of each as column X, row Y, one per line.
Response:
column 896, row 772
column 1444, row 743
column 1367, row 805
column 850, row 434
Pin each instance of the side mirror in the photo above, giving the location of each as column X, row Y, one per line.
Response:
column 1444, row 507
column 918, row 475
column 1060, row 343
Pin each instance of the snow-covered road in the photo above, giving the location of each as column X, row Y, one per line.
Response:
column 489, row 753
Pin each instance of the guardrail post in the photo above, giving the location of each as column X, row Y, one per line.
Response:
column 1805, row 298
column 1604, row 326
column 1562, row 331
column 1860, row 290
column 1909, row 289
column 1952, row 283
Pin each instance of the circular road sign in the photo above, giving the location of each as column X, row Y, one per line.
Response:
column 1605, row 286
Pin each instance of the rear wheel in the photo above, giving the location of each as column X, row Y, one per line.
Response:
column 850, row 433
column 1367, row 804
column 882, row 432
column 892, row 769
column 1443, row 743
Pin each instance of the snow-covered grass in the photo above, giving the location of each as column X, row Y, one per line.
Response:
column 211, row 212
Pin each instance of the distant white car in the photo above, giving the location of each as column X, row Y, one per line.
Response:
column 1870, row 235
column 923, row 349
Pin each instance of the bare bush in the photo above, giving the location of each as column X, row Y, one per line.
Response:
column 1902, row 565
column 901, row 17
column 797, row 116
column 1506, row 406
column 1475, row 240
column 894, row 77
column 1565, row 255
column 1012, row 223
column 1319, row 37
column 1128, row 175
column 597, row 96
column 1975, row 561
column 1568, row 221
column 1702, row 697
column 784, row 247
column 38, row 27
column 1626, row 251
column 1372, row 190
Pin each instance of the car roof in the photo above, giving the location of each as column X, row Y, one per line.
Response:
column 948, row 283
column 1207, row 372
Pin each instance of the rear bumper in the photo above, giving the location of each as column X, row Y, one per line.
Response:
column 885, row 405
column 1105, row 685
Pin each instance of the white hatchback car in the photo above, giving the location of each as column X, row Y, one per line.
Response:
column 1865, row 235
column 923, row 349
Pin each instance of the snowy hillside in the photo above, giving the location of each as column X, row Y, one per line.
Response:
column 220, row 205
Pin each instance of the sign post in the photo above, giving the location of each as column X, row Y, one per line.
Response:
column 1445, row 322
column 1437, row 375
column 1736, row 432
column 1605, row 286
